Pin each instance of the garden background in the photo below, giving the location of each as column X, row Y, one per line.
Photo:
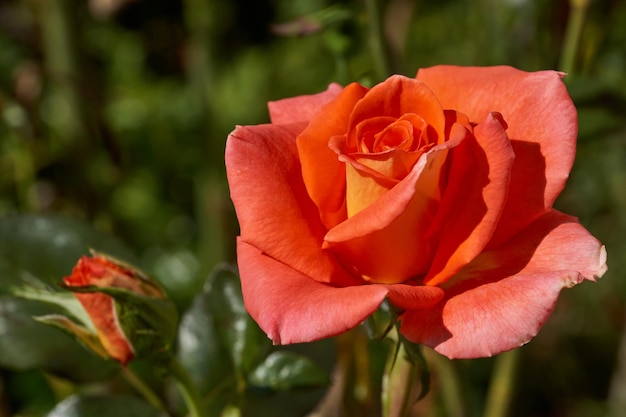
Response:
column 114, row 115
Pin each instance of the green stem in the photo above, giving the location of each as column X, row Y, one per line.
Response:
column 377, row 40
column 502, row 384
column 199, row 21
column 24, row 174
column 449, row 382
column 187, row 389
column 362, row 381
column 573, row 31
column 400, row 388
column 58, row 21
column 142, row 388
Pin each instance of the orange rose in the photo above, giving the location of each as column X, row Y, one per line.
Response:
column 435, row 193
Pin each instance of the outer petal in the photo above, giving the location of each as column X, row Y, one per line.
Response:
column 301, row 108
column 323, row 174
column 501, row 300
column 477, row 189
column 408, row 297
column 542, row 127
column 274, row 210
column 293, row 308
column 102, row 272
column 101, row 311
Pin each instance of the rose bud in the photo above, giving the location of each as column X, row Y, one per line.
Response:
column 433, row 192
column 130, row 312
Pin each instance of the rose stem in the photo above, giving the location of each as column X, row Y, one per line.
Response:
column 398, row 383
column 502, row 384
column 403, row 379
column 449, row 382
column 578, row 10
column 376, row 40
column 142, row 388
column 187, row 388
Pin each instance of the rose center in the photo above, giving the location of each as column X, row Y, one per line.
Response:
column 408, row 133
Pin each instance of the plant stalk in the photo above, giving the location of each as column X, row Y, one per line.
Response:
column 573, row 31
column 141, row 387
column 376, row 40
column 502, row 386
column 400, row 383
column 449, row 384
column 187, row 389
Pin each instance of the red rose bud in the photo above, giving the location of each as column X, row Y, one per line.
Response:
column 129, row 311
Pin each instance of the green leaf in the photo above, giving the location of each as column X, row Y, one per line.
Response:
column 200, row 351
column 237, row 331
column 84, row 406
column 64, row 300
column 284, row 370
column 80, row 333
column 299, row 400
column 292, row 403
column 27, row 344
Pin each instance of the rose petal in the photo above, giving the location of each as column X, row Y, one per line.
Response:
column 411, row 297
column 293, row 308
column 477, row 188
column 387, row 242
column 99, row 271
column 363, row 183
column 301, row 108
column 274, row 210
column 542, row 127
column 323, row 174
column 395, row 97
column 101, row 311
column 501, row 300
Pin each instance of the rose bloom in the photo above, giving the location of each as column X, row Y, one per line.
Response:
column 435, row 193
column 103, row 272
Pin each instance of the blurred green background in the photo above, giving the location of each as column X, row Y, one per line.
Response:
column 115, row 112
